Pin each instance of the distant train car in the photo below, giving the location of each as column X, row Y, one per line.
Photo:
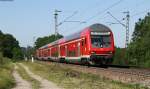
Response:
column 92, row 45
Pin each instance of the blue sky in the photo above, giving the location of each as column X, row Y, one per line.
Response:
column 26, row 19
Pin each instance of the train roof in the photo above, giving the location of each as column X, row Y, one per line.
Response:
column 95, row 27
column 99, row 27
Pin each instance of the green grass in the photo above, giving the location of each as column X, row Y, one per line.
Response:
column 6, row 79
column 35, row 84
column 70, row 79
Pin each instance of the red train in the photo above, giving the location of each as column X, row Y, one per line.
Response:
column 92, row 45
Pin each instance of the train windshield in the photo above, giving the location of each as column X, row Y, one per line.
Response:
column 101, row 41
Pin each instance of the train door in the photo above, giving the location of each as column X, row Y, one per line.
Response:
column 58, row 51
column 66, row 51
column 49, row 53
column 83, row 46
column 79, row 49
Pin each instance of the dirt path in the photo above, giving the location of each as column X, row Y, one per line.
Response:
column 45, row 84
column 21, row 84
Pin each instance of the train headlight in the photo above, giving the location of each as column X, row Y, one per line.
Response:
column 92, row 52
column 110, row 52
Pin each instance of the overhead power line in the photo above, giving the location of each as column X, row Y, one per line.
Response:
column 116, row 19
column 114, row 4
column 124, row 25
column 138, row 13
column 67, row 18
column 111, row 6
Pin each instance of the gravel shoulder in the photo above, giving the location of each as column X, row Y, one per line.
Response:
column 73, row 78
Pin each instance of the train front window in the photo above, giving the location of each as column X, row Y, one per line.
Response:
column 100, row 41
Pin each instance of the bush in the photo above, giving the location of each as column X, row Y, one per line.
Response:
column 1, row 58
column 4, row 60
column 119, row 57
column 6, row 78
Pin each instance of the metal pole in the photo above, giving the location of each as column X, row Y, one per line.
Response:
column 33, row 53
column 56, row 14
column 127, row 28
column 56, row 22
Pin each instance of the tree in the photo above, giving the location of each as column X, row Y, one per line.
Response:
column 7, row 44
column 138, row 51
column 45, row 40
column 17, row 54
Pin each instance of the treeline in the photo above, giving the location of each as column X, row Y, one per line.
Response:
column 41, row 41
column 9, row 46
column 138, row 51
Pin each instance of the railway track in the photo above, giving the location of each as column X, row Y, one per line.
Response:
column 125, row 75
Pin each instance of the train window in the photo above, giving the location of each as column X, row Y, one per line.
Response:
column 100, row 41
column 82, row 42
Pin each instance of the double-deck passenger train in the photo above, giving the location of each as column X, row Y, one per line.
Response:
column 92, row 45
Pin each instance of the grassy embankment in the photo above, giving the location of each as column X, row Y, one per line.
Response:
column 6, row 69
column 70, row 79
column 35, row 84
